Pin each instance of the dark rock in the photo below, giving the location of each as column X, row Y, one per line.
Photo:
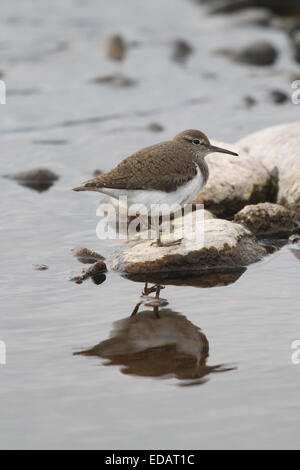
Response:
column 115, row 47
column 95, row 272
column 279, row 97
column 260, row 53
column 265, row 218
column 39, row 179
column 181, row 50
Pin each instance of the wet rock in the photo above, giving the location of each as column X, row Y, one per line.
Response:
column 260, row 53
column 278, row 149
column 234, row 182
column 279, row 97
column 181, row 50
column 212, row 243
column 117, row 80
column 40, row 267
column 39, row 179
column 265, row 218
column 115, row 47
column 95, row 272
column 86, row 256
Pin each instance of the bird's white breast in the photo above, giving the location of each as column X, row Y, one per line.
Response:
column 183, row 194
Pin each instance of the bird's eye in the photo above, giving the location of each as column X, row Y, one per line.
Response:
column 196, row 141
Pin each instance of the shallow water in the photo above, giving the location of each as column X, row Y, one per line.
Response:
column 51, row 397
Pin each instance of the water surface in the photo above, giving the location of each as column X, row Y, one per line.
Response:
column 51, row 398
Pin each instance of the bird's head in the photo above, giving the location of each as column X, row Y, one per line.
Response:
column 199, row 143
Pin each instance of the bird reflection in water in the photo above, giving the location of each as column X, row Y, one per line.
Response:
column 157, row 342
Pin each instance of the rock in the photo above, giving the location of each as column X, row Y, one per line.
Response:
column 39, row 179
column 234, row 182
column 260, row 53
column 265, row 218
column 181, row 50
column 115, row 47
column 95, row 272
column 212, row 243
column 279, row 97
column 118, row 80
column 278, row 149
column 86, row 256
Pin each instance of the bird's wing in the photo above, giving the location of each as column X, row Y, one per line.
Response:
column 154, row 167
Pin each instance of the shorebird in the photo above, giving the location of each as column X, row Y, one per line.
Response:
column 171, row 172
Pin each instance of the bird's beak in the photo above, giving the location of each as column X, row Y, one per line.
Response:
column 212, row 148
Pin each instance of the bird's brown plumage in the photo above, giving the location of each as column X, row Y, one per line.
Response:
column 163, row 166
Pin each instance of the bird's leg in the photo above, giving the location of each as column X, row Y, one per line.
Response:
column 160, row 243
column 136, row 309
column 156, row 309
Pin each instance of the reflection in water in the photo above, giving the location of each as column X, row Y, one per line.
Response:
column 157, row 343
column 205, row 278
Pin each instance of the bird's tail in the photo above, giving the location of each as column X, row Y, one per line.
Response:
column 85, row 188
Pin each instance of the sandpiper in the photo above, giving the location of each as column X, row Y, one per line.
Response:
column 170, row 172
